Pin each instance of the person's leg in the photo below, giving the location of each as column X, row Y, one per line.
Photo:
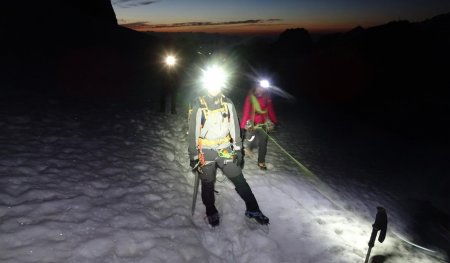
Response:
column 208, row 179
column 234, row 173
column 262, row 145
column 245, row 192
column 250, row 142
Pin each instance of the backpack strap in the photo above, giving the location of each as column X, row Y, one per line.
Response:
column 224, row 105
column 205, row 110
column 256, row 107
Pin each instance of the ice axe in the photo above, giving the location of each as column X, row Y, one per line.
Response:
column 196, row 183
column 379, row 225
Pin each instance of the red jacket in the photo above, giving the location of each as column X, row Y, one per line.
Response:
column 250, row 113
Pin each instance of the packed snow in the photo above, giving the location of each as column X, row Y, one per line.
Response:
column 113, row 184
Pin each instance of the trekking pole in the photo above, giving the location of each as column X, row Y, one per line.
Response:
column 196, row 183
column 379, row 225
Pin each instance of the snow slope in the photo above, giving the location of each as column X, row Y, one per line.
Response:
column 113, row 184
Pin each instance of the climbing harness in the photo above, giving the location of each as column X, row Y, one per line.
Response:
column 224, row 153
column 256, row 109
column 207, row 142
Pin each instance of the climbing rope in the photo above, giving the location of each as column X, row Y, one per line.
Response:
column 310, row 174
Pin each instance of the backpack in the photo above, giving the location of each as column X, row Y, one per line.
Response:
column 206, row 111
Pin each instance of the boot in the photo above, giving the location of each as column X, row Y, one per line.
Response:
column 258, row 216
column 214, row 220
column 262, row 166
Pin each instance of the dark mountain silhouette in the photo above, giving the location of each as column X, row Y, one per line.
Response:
column 72, row 48
column 295, row 40
column 438, row 24
column 395, row 72
column 291, row 51
column 57, row 23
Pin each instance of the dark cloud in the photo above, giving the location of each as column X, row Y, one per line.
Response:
column 145, row 25
column 136, row 25
column 131, row 3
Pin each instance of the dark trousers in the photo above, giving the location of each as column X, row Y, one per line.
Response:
column 257, row 138
column 168, row 95
column 233, row 172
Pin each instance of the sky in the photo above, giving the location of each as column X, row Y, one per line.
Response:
column 269, row 17
column 113, row 184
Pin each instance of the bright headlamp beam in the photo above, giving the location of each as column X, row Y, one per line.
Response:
column 214, row 78
column 264, row 83
column 170, row 60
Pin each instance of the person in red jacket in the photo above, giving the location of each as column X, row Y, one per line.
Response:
column 258, row 118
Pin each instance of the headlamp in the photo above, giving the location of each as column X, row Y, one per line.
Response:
column 170, row 60
column 264, row 83
column 214, row 78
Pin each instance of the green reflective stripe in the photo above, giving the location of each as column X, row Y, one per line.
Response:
column 256, row 105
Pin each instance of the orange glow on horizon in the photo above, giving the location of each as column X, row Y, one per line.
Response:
column 243, row 29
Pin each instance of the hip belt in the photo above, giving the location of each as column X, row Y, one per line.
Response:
column 208, row 142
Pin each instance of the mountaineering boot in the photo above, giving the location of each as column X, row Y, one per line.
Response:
column 258, row 216
column 213, row 220
column 262, row 166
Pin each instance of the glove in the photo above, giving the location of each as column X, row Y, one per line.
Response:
column 239, row 159
column 193, row 163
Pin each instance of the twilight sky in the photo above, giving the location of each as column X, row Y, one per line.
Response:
column 269, row 16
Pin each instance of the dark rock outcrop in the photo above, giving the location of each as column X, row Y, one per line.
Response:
column 72, row 48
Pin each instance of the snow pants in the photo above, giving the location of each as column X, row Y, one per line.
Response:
column 233, row 172
column 257, row 138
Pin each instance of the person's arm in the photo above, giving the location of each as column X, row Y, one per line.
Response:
column 235, row 130
column 194, row 130
column 246, row 112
